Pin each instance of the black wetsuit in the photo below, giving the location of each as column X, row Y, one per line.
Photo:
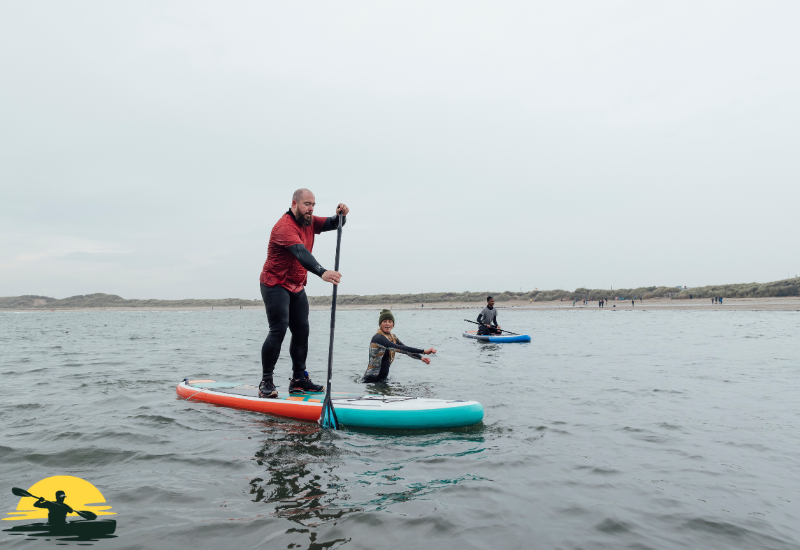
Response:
column 380, row 359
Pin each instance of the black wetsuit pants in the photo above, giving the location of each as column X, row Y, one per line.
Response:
column 285, row 310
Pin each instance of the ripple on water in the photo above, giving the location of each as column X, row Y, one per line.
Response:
column 661, row 435
column 613, row 526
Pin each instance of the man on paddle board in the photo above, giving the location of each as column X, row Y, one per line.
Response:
column 56, row 511
column 488, row 317
column 283, row 282
column 383, row 346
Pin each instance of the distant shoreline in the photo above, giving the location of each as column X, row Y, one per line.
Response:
column 790, row 303
column 655, row 296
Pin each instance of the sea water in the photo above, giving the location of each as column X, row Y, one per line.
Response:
column 611, row 429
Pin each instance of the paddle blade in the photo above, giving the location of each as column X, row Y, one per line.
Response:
column 328, row 417
column 21, row 492
column 86, row 514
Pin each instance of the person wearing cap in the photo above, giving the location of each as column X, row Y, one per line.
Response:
column 384, row 345
column 488, row 316
column 56, row 511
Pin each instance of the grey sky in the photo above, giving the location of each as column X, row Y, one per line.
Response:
column 147, row 148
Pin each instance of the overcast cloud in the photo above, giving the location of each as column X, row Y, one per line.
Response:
column 147, row 148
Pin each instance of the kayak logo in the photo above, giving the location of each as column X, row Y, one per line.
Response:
column 57, row 500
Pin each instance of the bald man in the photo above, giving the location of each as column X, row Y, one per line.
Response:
column 283, row 282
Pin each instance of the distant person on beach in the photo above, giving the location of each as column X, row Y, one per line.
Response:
column 382, row 348
column 283, row 282
column 633, row 303
column 56, row 511
column 720, row 299
column 488, row 317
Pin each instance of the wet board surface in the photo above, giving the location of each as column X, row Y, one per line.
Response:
column 374, row 411
column 250, row 390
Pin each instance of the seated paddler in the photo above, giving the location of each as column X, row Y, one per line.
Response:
column 487, row 318
column 384, row 345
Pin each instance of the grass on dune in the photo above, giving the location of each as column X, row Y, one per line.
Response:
column 786, row 287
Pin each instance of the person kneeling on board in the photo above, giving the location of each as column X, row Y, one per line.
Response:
column 487, row 317
column 382, row 348
column 283, row 282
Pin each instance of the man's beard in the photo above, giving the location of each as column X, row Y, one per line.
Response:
column 301, row 219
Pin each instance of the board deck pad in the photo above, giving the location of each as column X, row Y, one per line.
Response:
column 353, row 409
column 252, row 391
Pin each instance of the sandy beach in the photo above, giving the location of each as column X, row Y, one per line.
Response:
column 791, row 303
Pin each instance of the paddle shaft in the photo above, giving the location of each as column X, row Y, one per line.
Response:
column 23, row 493
column 501, row 330
column 333, row 303
column 328, row 404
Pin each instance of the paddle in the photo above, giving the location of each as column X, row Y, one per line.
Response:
column 85, row 514
column 328, row 417
column 501, row 330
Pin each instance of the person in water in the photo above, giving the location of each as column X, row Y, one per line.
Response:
column 384, row 345
column 56, row 511
column 488, row 317
column 283, row 282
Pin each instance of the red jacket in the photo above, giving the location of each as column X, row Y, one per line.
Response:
column 281, row 267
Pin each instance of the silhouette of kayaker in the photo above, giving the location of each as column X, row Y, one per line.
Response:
column 87, row 528
column 56, row 511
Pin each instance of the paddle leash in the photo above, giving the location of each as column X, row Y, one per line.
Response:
column 85, row 514
column 328, row 417
column 501, row 330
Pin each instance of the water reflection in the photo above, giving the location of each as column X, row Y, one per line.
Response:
column 315, row 476
column 300, row 461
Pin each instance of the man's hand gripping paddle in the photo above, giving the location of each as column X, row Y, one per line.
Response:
column 328, row 417
column 85, row 514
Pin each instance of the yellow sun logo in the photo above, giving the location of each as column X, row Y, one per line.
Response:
column 81, row 495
